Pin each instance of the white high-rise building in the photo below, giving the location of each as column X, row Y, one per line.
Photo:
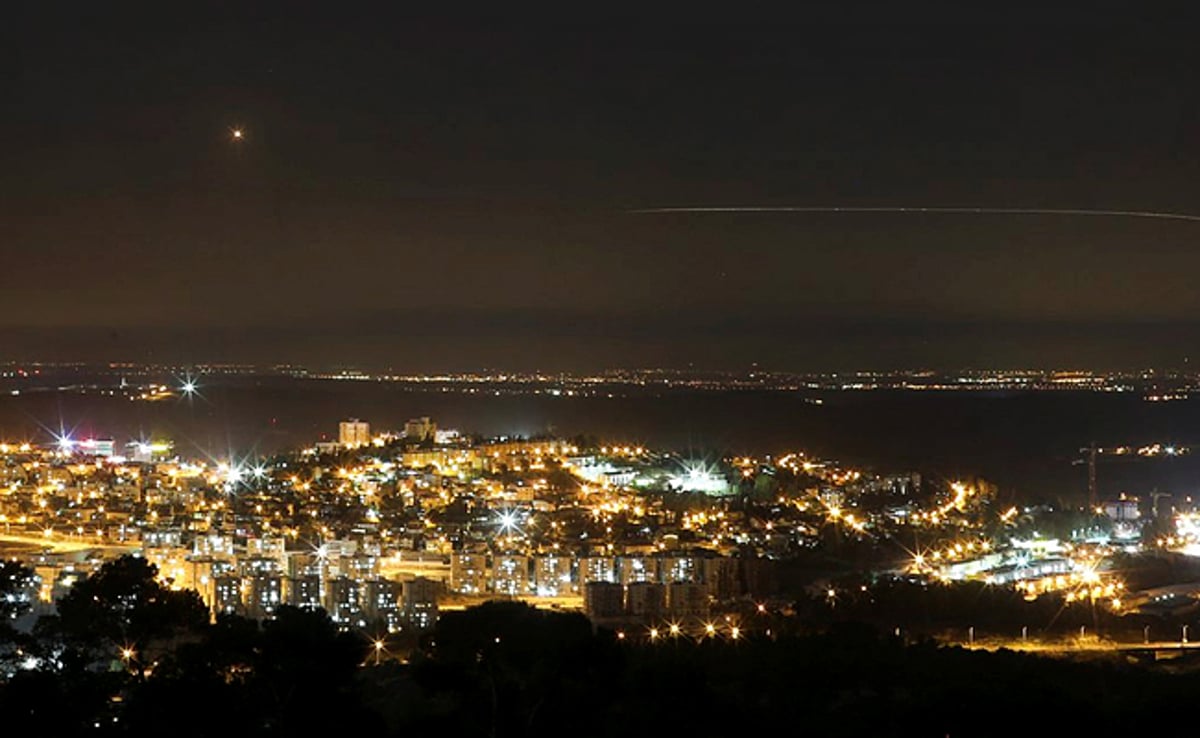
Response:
column 353, row 433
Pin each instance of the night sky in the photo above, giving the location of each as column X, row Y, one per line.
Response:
column 424, row 194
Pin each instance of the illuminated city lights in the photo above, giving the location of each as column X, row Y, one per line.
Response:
column 379, row 512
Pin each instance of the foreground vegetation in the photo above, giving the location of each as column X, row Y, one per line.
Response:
column 126, row 657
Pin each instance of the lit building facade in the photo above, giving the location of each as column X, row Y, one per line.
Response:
column 354, row 433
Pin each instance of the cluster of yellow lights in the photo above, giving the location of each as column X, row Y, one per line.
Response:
column 835, row 514
column 944, row 513
column 618, row 450
column 697, row 520
column 847, row 476
column 1086, row 584
column 616, row 505
column 699, row 631
column 155, row 392
column 795, row 462
column 1187, row 534
column 958, row 502
column 840, row 477
column 1156, row 449
column 956, row 551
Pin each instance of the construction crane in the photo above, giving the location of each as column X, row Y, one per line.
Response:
column 1151, row 451
column 1091, row 459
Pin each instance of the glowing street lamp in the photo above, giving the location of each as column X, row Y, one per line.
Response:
column 127, row 656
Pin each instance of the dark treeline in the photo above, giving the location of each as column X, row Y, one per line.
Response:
column 126, row 657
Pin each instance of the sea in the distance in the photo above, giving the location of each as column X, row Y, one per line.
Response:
column 1028, row 443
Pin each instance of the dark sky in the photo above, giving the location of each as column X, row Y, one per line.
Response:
column 427, row 194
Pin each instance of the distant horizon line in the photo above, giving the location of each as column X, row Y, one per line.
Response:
column 366, row 369
column 916, row 210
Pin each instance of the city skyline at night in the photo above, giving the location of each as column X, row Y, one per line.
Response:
column 375, row 372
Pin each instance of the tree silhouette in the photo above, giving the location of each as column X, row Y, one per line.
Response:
column 17, row 593
column 527, row 671
column 16, row 584
column 123, row 608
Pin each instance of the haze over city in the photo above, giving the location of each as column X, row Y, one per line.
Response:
column 414, row 193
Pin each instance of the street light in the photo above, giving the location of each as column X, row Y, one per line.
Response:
column 127, row 656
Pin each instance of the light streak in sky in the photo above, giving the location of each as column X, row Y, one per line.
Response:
column 1062, row 212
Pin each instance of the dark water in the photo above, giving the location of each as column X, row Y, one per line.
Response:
column 1024, row 442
